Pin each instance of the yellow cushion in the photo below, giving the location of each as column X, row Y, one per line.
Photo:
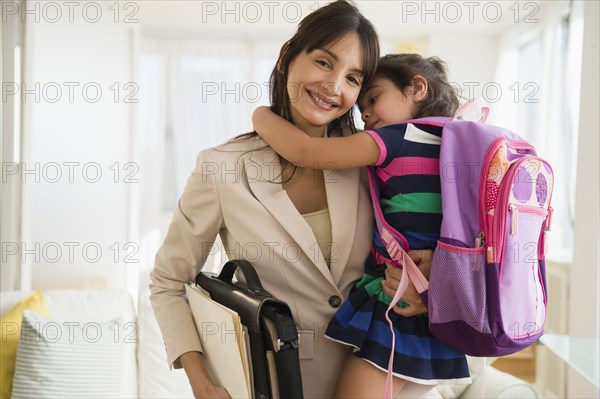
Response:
column 11, row 332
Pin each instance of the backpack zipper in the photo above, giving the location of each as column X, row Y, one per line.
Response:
column 515, row 216
column 547, row 225
column 500, row 212
column 514, row 209
column 486, row 230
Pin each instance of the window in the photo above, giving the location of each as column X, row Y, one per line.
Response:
column 542, row 69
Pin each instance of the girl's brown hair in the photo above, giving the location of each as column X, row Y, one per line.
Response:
column 441, row 98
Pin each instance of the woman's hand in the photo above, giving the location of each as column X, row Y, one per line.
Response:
column 212, row 392
column 422, row 258
column 202, row 385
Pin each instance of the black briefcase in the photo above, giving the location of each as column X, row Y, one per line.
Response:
column 272, row 333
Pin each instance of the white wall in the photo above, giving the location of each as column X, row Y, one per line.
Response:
column 76, row 196
column 583, row 311
column 471, row 62
column 11, row 34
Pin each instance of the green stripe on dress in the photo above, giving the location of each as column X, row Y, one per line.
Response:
column 374, row 288
column 413, row 202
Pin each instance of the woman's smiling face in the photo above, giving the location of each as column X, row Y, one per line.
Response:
column 324, row 84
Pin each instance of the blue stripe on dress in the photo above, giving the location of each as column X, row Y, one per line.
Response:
column 411, row 184
column 412, row 345
column 415, row 325
column 425, row 369
column 416, row 222
column 421, row 240
column 360, row 319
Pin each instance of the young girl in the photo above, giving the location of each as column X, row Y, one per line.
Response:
column 406, row 160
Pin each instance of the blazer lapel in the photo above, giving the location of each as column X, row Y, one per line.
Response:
column 342, row 196
column 262, row 169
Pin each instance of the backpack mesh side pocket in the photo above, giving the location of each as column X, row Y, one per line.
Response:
column 457, row 292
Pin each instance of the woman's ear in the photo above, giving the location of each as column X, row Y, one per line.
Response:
column 420, row 87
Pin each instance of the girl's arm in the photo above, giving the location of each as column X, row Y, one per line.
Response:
column 312, row 152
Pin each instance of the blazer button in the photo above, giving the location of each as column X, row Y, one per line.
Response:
column 335, row 301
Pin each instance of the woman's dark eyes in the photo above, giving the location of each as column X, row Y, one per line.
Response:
column 326, row 64
column 372, row 100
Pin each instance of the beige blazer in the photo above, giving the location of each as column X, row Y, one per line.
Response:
column 229, row 193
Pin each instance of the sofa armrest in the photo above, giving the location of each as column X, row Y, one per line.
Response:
column 499, row 384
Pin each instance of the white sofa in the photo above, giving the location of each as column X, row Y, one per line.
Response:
column 145, row 371
column 146, row 374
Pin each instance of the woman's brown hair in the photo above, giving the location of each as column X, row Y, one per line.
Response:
column 318, row 29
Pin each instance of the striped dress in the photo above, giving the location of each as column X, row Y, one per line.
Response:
column 410, row 198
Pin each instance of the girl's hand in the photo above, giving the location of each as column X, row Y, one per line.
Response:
column 422, row 259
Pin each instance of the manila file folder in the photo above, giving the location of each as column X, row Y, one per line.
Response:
column 226, row 350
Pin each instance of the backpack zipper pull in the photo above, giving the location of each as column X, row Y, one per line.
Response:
column 490, row 255
column 549, row 222
column 547, row 229
column 515, row 216
column 480, row 240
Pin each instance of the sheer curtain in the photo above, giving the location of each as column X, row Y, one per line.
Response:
column 197, row 93
column 542, row 66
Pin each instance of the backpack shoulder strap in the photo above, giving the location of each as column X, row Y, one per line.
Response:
column 393, row 240
column 389, row 237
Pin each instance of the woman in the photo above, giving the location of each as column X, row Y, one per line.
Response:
column 306, row 232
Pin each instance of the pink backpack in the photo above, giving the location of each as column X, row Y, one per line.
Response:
column 486, row 294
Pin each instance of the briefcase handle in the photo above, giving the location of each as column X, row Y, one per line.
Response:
column 252, row 280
